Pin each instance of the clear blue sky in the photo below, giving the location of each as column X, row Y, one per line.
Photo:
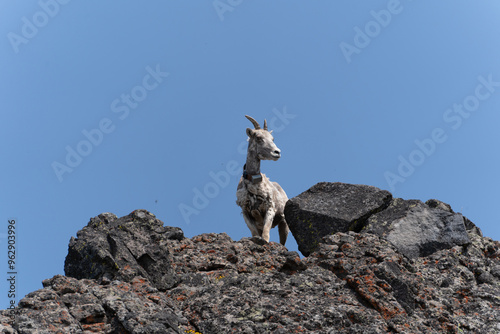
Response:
column 151, row 96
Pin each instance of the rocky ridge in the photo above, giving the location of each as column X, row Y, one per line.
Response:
column 415, row 228
column 134, row 275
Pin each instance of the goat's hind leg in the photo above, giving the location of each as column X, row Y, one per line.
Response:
column 283, row 230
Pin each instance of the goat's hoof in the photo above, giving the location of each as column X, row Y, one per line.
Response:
column 259, row 241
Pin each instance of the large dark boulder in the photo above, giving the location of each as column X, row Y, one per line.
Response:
column 134, row 245
column 327, row 208
column 414, row 228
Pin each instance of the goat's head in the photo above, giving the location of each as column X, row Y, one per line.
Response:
column 261, row 142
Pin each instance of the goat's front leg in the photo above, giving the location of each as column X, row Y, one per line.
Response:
column 268, row 223
column 251, row 225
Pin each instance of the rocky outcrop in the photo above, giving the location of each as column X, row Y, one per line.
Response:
column 327, row 208
column 69, row 305
column 417, row 229
column 134, row 245
column 414, row 228
column 133, row 275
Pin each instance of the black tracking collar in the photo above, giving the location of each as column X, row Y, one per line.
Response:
column 255, row 179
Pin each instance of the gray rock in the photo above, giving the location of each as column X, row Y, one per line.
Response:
column 437, row 204
column 124, row 248
column 485, row 277
column 495, row 271
column 417, row 229
column 68, row 305
column 327, row 208
column 469, row 225
column 352, row 283
column 472, row 228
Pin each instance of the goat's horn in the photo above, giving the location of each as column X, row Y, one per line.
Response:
column 254, row 122
column 265, row 124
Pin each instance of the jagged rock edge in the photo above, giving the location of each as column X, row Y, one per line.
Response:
column 359, row 224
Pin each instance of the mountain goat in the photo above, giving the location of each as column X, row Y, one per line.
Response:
column 262, row 202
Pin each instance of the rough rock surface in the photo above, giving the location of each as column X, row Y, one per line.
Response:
column 134, row 245
column 415, row 228
column 327, row 208
column 69, row 305
column 352, row 283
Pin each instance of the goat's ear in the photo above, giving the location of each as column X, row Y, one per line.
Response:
column 271, row 131
column 250, row 132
